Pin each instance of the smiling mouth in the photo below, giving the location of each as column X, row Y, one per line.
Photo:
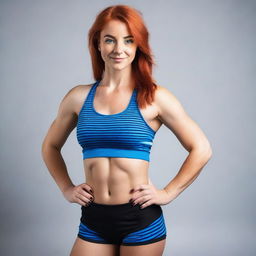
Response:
column 118, row 58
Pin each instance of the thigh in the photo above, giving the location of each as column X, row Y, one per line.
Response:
column 153, row 249
column 82, row 248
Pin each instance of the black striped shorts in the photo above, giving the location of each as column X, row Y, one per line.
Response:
column 122, row 224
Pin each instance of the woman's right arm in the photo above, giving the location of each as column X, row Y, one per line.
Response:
column 56, row 137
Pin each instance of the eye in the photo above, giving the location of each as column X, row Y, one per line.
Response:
column 130, row 40
column 110, row 40
column 107, row 40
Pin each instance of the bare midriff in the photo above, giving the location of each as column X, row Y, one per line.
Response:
column 112, row 178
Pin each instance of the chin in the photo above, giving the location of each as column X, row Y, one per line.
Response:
column 118, row 66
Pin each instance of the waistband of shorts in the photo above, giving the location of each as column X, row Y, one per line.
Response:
column 124, row 205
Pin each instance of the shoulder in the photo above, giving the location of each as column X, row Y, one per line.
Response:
column 162, row 91
column 77, row 90
column 75, row 97
column 165, row 100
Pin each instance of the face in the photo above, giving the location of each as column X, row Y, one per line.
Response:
column 116, row 45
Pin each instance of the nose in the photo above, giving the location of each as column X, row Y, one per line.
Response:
column 118, row 48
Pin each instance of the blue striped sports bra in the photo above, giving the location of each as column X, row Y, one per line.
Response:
column 124, row 134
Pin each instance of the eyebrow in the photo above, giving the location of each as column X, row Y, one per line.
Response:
column 114, row 37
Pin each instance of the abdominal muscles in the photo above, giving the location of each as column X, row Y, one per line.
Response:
column 113, row 178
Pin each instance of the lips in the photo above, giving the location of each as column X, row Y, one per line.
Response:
column 118, row 58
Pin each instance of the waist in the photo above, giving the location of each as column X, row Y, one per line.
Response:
column 111, row 200
column 105, row 193
column 115, row 187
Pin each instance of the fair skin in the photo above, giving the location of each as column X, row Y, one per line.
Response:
column 112, row 179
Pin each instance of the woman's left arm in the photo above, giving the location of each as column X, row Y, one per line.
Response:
column 174, row 117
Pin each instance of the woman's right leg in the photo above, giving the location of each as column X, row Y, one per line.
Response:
column 86, row 248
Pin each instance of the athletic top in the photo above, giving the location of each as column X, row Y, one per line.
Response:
column 124, row 134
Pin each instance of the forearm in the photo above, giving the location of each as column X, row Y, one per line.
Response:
column 57, row 167
column 188, row 172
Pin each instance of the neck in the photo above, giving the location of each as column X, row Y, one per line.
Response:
column 118, row 79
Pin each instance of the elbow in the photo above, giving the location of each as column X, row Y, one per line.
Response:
column 45, row 147
column 208, row 153
column 208, row 150
column 205, row 150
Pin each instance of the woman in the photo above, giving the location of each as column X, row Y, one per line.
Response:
column 116, row 119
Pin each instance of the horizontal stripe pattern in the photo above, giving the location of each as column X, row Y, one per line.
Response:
column 86, row 232
column 155, row 230
column 125, row 134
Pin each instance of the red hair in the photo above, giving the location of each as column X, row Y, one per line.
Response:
column 143, row 61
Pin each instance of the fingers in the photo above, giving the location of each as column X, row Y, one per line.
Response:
column 143, row 195
column 142, row 199
column 81, row 202
column 87, row 187
column 141, row 191
column 84, row 194
column 146, row 203
column 87, row 198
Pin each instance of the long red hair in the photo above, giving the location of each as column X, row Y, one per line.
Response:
column 143, row 61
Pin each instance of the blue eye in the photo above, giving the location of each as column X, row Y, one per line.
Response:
column 130, row 40
column 108, row 40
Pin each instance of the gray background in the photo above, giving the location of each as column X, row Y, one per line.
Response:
column 205, row 54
